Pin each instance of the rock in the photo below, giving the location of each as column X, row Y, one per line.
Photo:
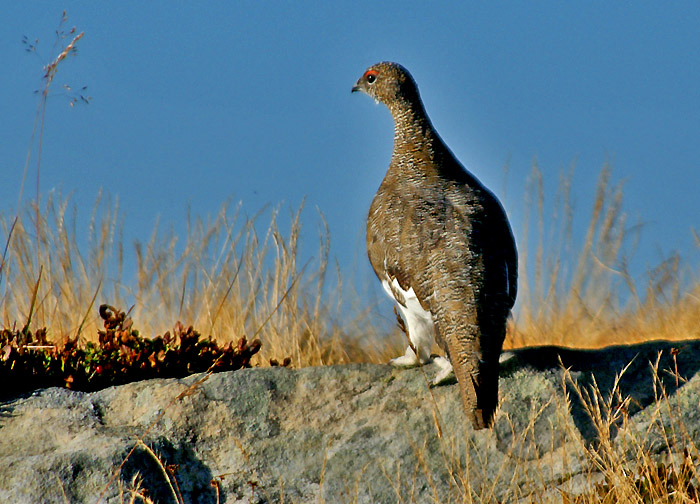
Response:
column 354, row 433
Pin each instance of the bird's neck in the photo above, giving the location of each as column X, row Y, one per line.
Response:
column 412, row 130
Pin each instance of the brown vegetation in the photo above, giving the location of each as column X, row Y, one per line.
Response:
column 30, row 360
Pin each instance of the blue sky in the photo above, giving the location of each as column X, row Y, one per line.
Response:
column 197, row 103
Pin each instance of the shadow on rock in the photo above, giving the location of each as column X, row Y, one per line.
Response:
column 192, row 476
column 591, row 369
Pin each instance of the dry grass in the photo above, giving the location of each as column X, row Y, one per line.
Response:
column 629, row 472
column 224, row 278
column 618, row 467
column 229, row 279
column 583, row 294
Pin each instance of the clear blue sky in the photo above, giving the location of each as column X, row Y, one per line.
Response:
column 195, row 103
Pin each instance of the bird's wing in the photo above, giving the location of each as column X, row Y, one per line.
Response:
column 454, row 282
column 468, row 281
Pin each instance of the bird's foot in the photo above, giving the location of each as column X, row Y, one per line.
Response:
column 445, row 374
column 505, row 357
column 408, row 360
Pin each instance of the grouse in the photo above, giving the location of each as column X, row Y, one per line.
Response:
column 441, row 245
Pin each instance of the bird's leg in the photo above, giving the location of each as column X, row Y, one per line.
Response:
column 400, row 322
column 419, row 336
column 445, row 374
column 409, row 359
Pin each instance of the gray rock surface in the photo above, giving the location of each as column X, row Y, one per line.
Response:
column 355, row 433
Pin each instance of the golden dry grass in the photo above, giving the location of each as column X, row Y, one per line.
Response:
column 583, row 294
column 229, row 279
column 223, row 277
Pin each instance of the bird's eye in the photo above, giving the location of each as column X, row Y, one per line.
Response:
column 371, row 78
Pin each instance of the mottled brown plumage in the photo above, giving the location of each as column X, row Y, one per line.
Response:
column 436, row 236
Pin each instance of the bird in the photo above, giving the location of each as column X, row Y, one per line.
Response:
column 441, row 244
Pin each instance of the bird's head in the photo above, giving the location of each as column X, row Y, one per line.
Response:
column 389, row 83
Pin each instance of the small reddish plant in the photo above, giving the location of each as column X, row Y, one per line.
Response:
column 30, row 360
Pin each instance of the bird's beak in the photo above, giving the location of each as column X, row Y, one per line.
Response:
column 358, row 86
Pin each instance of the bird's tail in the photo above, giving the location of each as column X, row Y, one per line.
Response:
column 486, row 386
column 474, row 354
column 477, row 379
